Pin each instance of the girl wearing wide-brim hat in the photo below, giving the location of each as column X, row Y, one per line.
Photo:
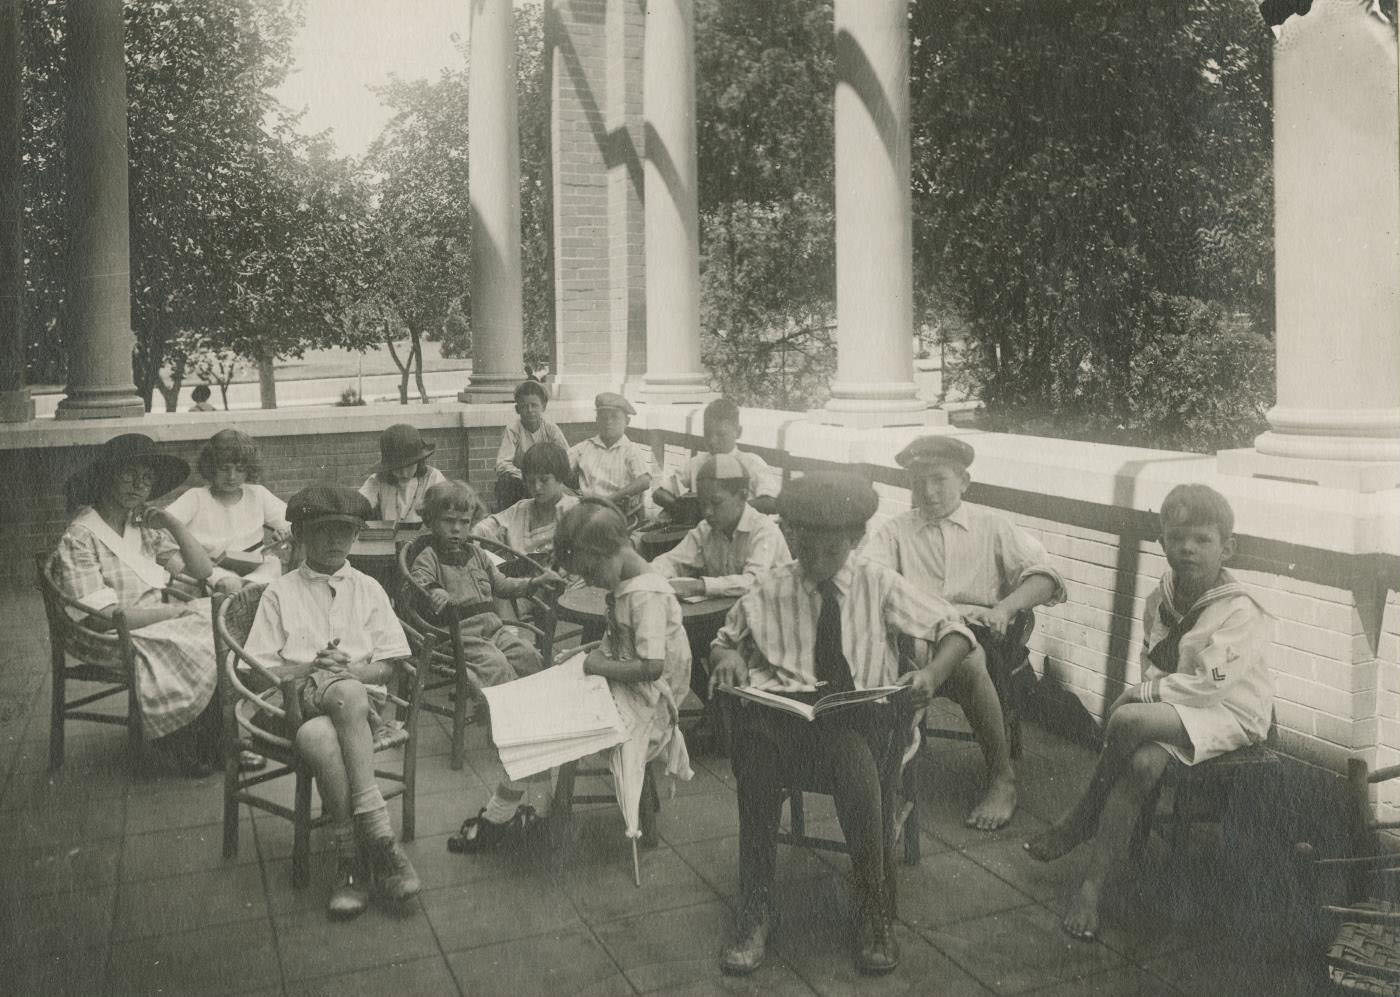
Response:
column 403, row 475
column 119, row 553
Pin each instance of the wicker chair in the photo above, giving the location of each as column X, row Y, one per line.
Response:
column 1364, row 954
column 90, row 649
column 261, row 713
column 533, row 614
column 1006, row 658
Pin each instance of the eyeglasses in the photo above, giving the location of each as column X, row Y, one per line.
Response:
column 136, row 476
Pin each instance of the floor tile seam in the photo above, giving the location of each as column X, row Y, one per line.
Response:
column 597, row 940
column 1098, row 973
column 992, row 872
column 107, row 966
column 943, row 925
column 437, row 941
column 271, row 917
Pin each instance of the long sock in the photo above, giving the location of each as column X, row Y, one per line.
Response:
column 371, row 815
column 344, row 833
column 505, row 801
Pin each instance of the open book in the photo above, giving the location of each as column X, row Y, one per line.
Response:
column 810, row 711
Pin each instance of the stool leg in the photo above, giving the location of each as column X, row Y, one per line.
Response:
column 910, row 791
column 459, row 717
column 56, row 718
column 301, row 832
column 795, row 811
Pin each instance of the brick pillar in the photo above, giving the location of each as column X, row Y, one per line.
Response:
column 595, row 51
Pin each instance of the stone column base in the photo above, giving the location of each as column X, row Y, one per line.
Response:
column 16, row 406
column 676, row 389
column 98, row 404
column 489, row 388
column 1346, row 475
column 878, row 413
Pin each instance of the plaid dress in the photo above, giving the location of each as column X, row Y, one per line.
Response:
column 175, row 669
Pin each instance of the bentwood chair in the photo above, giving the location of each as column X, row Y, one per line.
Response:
column 262, row 713
column 1009, row 664
column 446, row 667
column 86, row 647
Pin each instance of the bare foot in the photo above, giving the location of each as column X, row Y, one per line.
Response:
column 996, row 807
column 1060, row 838
column 1081, row 921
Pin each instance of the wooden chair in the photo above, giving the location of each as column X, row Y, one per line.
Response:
column 561, row 806
column 905, row 777
column 1250, row 776
column 261, row 713
column 1007, row 658
column 90, row 649
column 534, row 614
column 1364, row 953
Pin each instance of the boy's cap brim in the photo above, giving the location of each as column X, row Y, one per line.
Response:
column 610, row 399
column 929, row 450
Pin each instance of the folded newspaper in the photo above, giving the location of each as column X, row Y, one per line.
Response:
column 554, row 716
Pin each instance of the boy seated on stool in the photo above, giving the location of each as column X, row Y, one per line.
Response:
column 815, row 626
column 531, row 399
column 733, row 547
column 329, row 618
column 722, row 430
column 989, row 569
column 1205, row 690
column 610, row 465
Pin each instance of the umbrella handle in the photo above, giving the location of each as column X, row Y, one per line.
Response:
column 636, row 866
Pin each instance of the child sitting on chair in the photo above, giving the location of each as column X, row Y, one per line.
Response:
column 401, row 479
column 722, row 431
column 459, row 576
column 512, row 480
column 333, row 623
column 826, row 623
column 610, row 465
column 1205, row 690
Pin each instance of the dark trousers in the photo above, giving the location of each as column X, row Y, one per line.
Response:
column 853, row 755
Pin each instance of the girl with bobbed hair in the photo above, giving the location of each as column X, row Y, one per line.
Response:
column 528, row 526
column 230, row 514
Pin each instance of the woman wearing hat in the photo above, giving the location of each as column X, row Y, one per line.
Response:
column 403, row 475
column 118, row 554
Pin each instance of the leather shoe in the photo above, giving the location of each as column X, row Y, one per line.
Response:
column 351, row 894
column 879, row 949
column 392, row 870
column 749, row 943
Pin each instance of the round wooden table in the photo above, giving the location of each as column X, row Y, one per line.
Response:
column 586, row 606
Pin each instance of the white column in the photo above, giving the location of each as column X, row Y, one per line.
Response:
column 673, row 372
column 493, row 148
column 99, row 280
column 1336, row 254
column 874, row 383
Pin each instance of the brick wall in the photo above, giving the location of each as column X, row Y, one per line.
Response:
column 31, row 479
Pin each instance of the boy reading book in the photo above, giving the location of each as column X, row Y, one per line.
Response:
column 806, row 627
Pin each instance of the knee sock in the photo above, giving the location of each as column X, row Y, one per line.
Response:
column 504, row 802
column 344, row 833
column 371, row 815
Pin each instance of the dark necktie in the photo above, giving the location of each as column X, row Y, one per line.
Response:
column 832, row 667
column 1166, row 653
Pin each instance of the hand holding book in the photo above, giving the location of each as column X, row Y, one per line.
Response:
column 810, row 706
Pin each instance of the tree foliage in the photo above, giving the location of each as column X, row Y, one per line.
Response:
column 1092, row 185
column 239, row 238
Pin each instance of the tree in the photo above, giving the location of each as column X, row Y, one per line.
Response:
column 764, row 78
column 1092, row 181
column 224, row 192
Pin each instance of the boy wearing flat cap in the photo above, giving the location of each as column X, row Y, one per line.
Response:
column 825, row 623
column 610, row 465
column 335, row 625
column 984, row 565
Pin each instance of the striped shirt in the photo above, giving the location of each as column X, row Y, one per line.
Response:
column 775, row 625
column 727, row 565
column 763, row 479
column 511, row 526
column 304, row 610
column 971, row 558
column 606, row 470
column 517, row 439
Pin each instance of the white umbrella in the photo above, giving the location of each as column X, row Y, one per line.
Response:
column 653, row 732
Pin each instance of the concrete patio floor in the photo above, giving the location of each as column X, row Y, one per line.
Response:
column 112, row 882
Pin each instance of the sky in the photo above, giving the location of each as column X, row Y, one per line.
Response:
column 348, row 45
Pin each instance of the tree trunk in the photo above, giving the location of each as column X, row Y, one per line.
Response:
column 416, row 359
column 401, row 365
column 267, row 382
column 171, row 392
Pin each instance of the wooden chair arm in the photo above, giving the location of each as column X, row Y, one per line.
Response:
column 1363, row 915
column 291, row 704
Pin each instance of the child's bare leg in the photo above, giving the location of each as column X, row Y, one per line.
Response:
column 1145, row 727
column 971, row 686
column 1077, row 824
column 316, row 741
